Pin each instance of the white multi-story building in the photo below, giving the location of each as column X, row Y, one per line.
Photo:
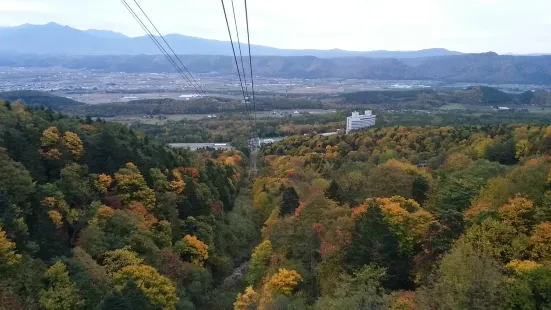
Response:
column 357, row 121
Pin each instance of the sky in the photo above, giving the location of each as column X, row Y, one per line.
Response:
column 502, row 26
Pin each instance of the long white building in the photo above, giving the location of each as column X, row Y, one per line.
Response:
column 357, row 121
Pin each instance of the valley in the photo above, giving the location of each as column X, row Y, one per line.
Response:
column 133, row 176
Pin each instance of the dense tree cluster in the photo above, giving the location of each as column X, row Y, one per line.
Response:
column 96, row 216
column 235, row 128
column 406, row 218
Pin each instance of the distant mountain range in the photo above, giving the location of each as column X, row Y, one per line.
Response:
column 56, row 39
column 487, row 68
column 53, row 45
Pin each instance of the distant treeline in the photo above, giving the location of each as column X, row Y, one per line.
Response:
column 38, row 98
column 199, row 106
column 474, row 95
column 425, row 99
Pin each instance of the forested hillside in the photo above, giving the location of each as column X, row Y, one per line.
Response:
column 405, row 218
column 96, row 216
column 473, row 95
column 39, row 98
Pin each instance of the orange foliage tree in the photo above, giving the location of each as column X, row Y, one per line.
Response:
column 193, row 249
column 541, row 241
column 103, row 182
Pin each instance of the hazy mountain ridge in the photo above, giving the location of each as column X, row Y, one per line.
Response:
column 48, row 46
column 469, row 68
column 53, row 39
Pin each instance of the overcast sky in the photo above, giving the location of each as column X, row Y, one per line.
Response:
column 503, row 26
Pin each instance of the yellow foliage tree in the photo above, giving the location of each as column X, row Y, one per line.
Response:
column 547, row 131
column 50, row 142
column 522, row 266
column 50, row 137
column 159, row 290
column 283, row 282
column 405, row 167
column 131, row 186
column 481, row 145
column 247, row 300
column 519, row 213
column 260, row 200
column 61, row 293
column 73, row 144
column 103, row 182
column 56, row 217
column 522, row 148
column 269, row 223
column 59, row 209
column 8, row 257
column 405, row 216
column 259, row 261
column 114, row 261
column 194, row 249
column 177, row 185
column 457, row 161
column 498, row 238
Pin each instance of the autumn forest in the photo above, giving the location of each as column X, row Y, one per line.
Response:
column 98, row 215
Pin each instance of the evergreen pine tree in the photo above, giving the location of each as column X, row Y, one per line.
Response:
column 333, row 191
column 373, row 243
column 289, row 201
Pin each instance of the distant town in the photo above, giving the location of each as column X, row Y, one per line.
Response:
column 95, row 87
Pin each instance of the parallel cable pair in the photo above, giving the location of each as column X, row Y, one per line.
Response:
column 251, row 110
column 190, row 79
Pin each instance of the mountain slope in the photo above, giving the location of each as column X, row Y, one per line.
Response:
column 481, row 68
column 73, row 191
column 105, row 34
column 37, row 98
column 56, row 39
